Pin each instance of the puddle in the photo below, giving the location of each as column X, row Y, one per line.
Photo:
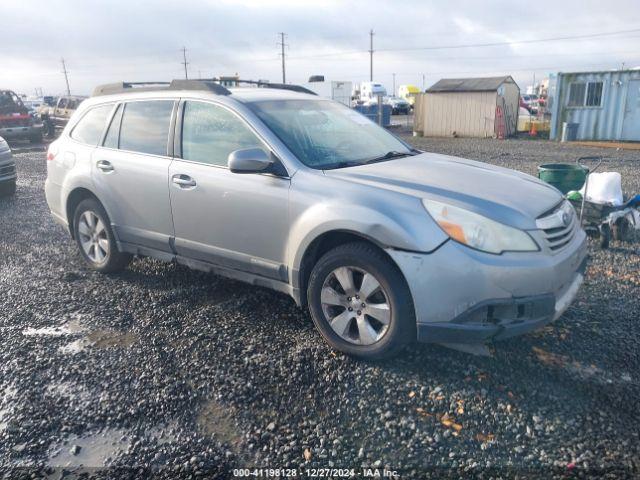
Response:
column 69, row 328
column 94, row 451
column 110, row 338
column 216, row 420
column 578, row 369
column 74, row 347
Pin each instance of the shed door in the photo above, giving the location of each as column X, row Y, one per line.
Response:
column 631, row 122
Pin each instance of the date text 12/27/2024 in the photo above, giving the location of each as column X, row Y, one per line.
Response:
column 314, row 473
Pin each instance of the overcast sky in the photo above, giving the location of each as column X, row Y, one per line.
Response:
column 104, row 41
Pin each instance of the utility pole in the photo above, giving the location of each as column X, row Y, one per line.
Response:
column 184, row 61
column 423, row 82
column 66, row 77
column 371, row 34
column 282, row 45
column 394, row 84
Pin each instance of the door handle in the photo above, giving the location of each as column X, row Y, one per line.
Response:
column 104, row 165
column 184, row 181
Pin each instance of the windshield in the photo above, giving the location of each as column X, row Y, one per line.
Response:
column 325, row 134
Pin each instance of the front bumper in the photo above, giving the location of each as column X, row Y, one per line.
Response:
column 466, row 296
column 7, row 167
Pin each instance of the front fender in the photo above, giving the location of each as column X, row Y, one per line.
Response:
column 389, row 219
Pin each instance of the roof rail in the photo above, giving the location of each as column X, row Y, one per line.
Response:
column 280, row 86
column 123, row 87
column 208, row 84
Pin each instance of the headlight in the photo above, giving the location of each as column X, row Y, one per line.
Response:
column 477, row 231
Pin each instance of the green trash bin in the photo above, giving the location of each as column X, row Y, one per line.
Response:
column 564, row 176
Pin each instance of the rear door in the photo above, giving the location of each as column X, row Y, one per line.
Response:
column 238, row 221
column 130, row 173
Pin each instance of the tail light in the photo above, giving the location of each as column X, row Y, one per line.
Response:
column 52, row 152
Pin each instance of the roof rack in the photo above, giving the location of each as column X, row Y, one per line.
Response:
column 122, row 87
column 207, row 84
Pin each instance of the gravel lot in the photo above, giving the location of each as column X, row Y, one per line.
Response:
column 166, row 371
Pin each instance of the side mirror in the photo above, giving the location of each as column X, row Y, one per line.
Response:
column 249, row 160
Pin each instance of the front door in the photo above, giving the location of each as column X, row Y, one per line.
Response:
column 631, row 122
column 130, row 172
column 238, row 221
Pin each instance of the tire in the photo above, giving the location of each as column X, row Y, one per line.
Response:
column 8, row 189
column 102, row 254
column 360, row 328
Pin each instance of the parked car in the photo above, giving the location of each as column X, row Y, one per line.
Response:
column 399, row 106
column 383, row 243
column 57, row 116
column 8, row 174
column 16, row 122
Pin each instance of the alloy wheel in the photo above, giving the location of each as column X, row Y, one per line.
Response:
column 355, row 305
column 93, row 237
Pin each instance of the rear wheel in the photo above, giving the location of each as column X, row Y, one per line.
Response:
column 360, row 302
column 95, row 240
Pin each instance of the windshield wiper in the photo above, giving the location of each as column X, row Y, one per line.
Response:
column 390, row 155
column 344, row 164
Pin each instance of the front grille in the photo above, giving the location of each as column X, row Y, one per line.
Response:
column 7, row 170
column 559, row 227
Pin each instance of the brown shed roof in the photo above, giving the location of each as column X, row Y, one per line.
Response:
column 481, row 84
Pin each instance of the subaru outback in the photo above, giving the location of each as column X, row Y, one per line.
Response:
column 384, row 244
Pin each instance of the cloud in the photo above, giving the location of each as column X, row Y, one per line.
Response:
column 109, row 40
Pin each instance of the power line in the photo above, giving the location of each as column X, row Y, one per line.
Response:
column 468, row 45
column 282, row 44
column 371, row 34
column 184, row 61
column 498, row 44
column 66, row 77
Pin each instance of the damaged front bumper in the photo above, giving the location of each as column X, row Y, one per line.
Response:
column 466, row 296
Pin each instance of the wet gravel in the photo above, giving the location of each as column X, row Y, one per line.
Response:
column 174, row 373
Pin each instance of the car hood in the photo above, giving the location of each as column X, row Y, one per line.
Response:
column 504, row 195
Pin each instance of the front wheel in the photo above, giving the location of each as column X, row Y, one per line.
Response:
column 95, row 240
column 360, row 302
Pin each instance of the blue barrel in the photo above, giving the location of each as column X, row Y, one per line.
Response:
column 371, row 112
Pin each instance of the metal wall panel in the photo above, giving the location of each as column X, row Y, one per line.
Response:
column 595, row 123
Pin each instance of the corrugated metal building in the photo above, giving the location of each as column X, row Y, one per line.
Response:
column 604, row 105
column 469, row 107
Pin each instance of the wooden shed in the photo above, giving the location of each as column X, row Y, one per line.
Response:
column 469, row 107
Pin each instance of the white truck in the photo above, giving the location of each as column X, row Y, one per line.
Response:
column 335, row 90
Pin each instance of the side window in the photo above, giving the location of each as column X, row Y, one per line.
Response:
column 91, row 126
column 594, row 94
column 210, row 133
column 72, row 104
column 111, row 139
column 145, row 126
column 62, row 103
column 576, row 94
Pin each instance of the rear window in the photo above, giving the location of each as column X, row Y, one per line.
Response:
column 90, row 128
column 145, row 126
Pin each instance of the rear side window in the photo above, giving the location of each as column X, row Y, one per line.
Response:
column 90, row 128
column 111, row 139
column 210, row 133
column 145, row 126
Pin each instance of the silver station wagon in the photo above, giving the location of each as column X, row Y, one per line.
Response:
column 280, row 188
